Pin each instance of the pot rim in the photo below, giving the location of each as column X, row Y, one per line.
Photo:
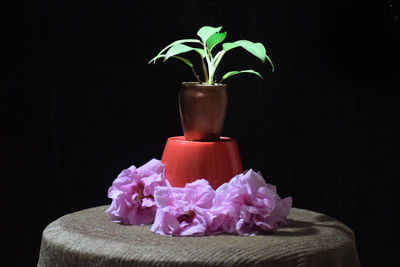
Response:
column 202, row 84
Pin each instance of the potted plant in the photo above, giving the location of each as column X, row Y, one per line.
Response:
column 202, row 104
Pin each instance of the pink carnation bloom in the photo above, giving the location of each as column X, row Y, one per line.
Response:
column 247, row 205
column 132, row 193
column 183, row 211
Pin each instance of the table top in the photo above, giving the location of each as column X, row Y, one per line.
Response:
column 89, row 238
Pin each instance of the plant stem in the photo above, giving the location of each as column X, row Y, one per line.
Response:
column 203, row 65
column 209, row 64
column 195, row 75
column 218, row 58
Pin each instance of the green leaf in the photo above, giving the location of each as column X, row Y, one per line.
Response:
column 181, row 48
column 217, row 58
column 215, row 39
column 270, row 62
column 200, row 51
column 188, row 62
column 229, row 46
column 231, row 73
column 205, row 32
column 156, row 57
column 257, row 49
column 172, row 44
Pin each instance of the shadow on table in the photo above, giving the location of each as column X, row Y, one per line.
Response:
column 302, row 228
column 297, row 228
column 327, row 221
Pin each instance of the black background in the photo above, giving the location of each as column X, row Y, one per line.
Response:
column 79, row 103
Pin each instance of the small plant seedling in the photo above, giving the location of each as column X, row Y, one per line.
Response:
column 209, row 38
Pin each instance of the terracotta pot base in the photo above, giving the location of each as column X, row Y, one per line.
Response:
column 186, row 161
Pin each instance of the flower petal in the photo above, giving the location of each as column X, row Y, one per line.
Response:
column 153, row 165
column 247, row 205
column 132, row 193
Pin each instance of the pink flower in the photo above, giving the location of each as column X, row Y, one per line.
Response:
column 183, row 211
column 132, row 193
column 248, row 206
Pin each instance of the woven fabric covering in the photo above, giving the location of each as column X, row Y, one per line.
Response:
column 89, row 238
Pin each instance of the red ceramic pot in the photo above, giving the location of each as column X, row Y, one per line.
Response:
column 186, row 161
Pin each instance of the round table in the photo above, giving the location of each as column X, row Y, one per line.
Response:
column 89, row 238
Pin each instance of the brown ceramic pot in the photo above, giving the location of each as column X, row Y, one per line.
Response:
column 202, row 109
